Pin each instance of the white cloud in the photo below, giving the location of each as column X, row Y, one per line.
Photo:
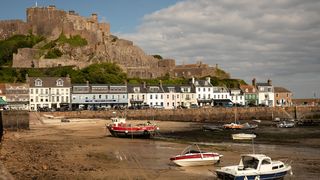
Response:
column 275, row 39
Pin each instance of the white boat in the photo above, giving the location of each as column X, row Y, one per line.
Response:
column 243, row 136
column 254, row 167
column 195, row 157
column 286, row 124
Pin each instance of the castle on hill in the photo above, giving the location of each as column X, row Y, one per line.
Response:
column 102, row 46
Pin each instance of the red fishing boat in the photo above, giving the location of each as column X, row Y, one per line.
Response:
column 119, row 128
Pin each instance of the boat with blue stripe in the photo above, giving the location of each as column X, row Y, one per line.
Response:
column 254, row 167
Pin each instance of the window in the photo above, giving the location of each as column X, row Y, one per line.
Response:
column 204, row 89
column 58, row 99
column 31, row 100
column 161, row 96
column 156, row 96
column 277, row 95
column 59, row 82
column 31, row 91
column 198, row 89
column 172, row 97
column 38, row 82
column 150, row 96
column 99, row 96
column 47, row 91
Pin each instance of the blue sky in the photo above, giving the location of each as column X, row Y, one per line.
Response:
column 276, row 39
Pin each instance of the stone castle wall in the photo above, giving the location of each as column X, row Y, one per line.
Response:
column 102, row 46
column 9, row 28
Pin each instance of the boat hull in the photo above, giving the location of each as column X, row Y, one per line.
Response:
column 266, row 176
column 129, row 132
column 196, row 159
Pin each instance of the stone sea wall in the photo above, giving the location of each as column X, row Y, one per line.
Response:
column 197, row 115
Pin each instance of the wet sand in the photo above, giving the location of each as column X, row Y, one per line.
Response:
column 85, row 150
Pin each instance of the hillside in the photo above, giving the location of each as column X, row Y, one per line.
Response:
column 73, row 40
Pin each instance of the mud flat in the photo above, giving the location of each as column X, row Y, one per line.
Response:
column 83, row 149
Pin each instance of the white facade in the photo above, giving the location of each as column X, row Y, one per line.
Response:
column 266, row 94
column 203, row 91
column 49, row 93
column 220, row 92
column 155, row 96
column 188, row 96
column 237, row 97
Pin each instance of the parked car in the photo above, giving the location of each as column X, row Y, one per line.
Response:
column 158, row 107
column 145, row 106
column 194, row 106
column 182, row 107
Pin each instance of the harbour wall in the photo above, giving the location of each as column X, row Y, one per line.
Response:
column 14, row 120
column 198, row 115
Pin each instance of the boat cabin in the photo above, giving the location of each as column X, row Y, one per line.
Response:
column 258, row 162
column 116, row 121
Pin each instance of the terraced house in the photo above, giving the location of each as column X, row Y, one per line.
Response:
column 95, row 96
column 250, row 94
column 49, row 92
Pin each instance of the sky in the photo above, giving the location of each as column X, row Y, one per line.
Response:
column 276, row 39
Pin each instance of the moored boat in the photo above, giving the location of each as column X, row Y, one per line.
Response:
column 243, row 136
column 195, row 157
column 233, row 126
column 286, row 124
column 119, row 128
column 254, row 166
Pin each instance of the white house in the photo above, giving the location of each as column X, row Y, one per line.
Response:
column 237, row 97
column 266, row 93
column 203, row 90
column 188, row 95
column 155, row 95
column 50, row 92
column 137, row 94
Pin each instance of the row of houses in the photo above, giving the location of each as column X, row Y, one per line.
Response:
column 58, row 92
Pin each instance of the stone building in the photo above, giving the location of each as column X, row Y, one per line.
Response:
column 282, row 97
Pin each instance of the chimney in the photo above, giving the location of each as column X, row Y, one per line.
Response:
column 144, row 85
column 254, row 82
column 87, row 82
column 208, row 79
column 27, row 78
column 160, row 83
column 192, row 80
column 269, row 82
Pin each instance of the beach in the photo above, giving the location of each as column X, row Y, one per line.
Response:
column 83, row 149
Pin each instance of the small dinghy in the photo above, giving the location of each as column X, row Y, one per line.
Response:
column 243, row 136
column 195, row 157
